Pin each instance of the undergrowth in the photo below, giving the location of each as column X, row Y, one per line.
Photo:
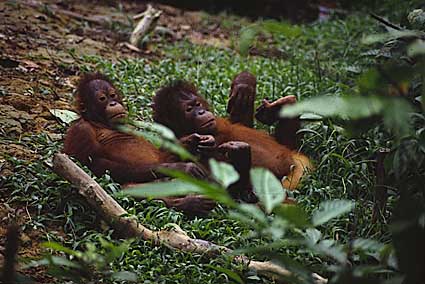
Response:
column 325, row 58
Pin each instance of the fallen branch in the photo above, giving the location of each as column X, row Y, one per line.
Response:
column 149, row 18
column 118, row 218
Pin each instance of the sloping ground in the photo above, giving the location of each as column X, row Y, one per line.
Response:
column 40, row 48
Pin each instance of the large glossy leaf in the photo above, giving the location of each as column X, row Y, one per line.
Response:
column 163, row 189
column 350, row 107
column 160, row 136
column 331, row 209
column 209, row 189
column 224, row 173
column 395, row 112
column 331, row 248
column 253, row 211
column 293, row 214
column 267, row 187
column 312, row 236
column 160, row 129
column 367, row 245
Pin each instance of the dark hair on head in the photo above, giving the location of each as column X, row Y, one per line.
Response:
column 82, row 91
column 166, row 99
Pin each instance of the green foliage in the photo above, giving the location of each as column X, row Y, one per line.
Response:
column 160, row 136
column 325, row 60
column 89, row 265
column 271, row 194
column 267, row 187
column 331, row 209
column 224, row 173
column 249, row 34
column 169, row 188
column 394, row 111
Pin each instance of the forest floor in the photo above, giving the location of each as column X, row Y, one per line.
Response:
column 40, row 47
column 45, row 47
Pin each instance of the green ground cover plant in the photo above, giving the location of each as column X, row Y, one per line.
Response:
column 332, row 231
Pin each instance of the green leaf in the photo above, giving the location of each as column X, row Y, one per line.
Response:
column 66, row 116
column 58, row 247
column 391, row 35
column 232, row 275
column 246, row 39
column 253, row 211
column 162, row 189
column 396, row 115
column 160, row 136
column 312, row 236
column 331, row 209
column 157, row 128
column 62, row 261
column 281, row 28
column 292, row 214
column 267, row 187
column 416, row 48
column 212, row 190
column 224, row 173
column 113, row 251
column 367, row 245
column 310, row 116
column 394, row 111
column 332, row 249
column 124, row 276
column 350, row 107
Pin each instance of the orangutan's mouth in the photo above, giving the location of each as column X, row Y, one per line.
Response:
column 208, row 123
column 118, row 115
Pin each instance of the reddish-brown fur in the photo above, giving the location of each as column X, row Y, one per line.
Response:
column 127, row 157
column 101, row 148
column 265, row 150
column 94, row 142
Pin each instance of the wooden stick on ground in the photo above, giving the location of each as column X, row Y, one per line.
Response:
column 145, row 25
column 118, row 218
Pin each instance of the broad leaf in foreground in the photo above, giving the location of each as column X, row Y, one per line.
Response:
column 331, row 209
column 267, row 188
column 224, row 173
column 162, row 189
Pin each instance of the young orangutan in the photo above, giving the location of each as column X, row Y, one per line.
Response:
column 179, row 107
column 94, row 141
